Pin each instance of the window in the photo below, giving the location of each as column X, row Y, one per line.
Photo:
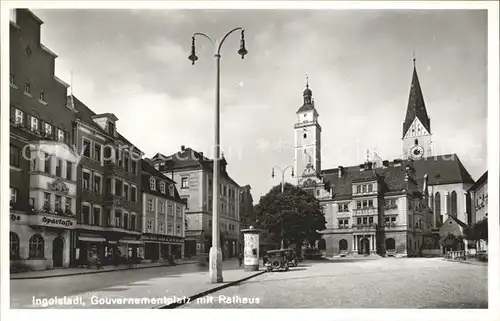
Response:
column 178, row 211
column 19, row 117
column 150, row 205
column 42, row 97
column 86, row 181
column 85, row 214
column 27, row 89
column 225, row 190
column 344, row 223
column 132, row 223
column 97, row 152
column 365, row 220
column 364, row 188
column 36, row 246
column 171, row 189
column 46, row 199
column 161, row 226
column 133, row 193
column 370, row 220
column 14, row 156
column 365, row 204
column 97, row 184
column 359, row 221
column 118, row 188
column 97, row 216
column 152, row 184
column 111, row 129
column 454, row 203
column 170, row 210
column 68, row 205
column 86, row 147
column 14, row 246
column 150, row 225
column 118, row 219
column 125, row 221
column 47, row 129
column 170, row 228
column 58, row 203
column 437, row 202
column 184, row 182
column 162, row 207
column 12, row 79
column 58, row 167
column 69, row 170
column 370, row 188
column 34, row 124
column 61, row 135
column 162, row 187
column 47, row 166
column 125, row 192
column 126, row 163
column 178, row 230
column 370, row 203
column 133, row 165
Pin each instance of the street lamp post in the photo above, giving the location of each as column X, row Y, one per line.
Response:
column 215, row 256
column 283, row 171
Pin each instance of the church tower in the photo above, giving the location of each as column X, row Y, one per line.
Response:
column 307, row 137
column 417, row 137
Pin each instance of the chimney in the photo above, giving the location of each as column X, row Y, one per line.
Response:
column 341, row 171
column 183, row 148
column 385, row 163
column 361, row 167
column 397, row 162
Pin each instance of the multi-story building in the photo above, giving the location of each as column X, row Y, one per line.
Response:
column 163, row 218
column 109, row 187
column 247, row 216
column 194, row 173
column 382, row 205
column 479, row 197
column 42, row 163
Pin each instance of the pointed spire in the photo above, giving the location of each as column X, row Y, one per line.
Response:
column 307, row 81
column 416, row 105
column 307, row 93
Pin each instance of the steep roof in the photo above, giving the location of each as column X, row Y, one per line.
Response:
column 479, row 182
column 188, row 158
column 147, row 170
column 416, row 106
column 459, row 222
column 443, row 169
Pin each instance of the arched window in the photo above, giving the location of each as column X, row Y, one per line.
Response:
column 27, row 88
column 448, row 204
column 162, row 187
column 14, row 246
column 36, row 246
column 152, row 184
column 42, row 96
column 416, row 141
column 390, row 244
column 322, row 245
column 454, row 203
column 437, row 202
column 343, row 245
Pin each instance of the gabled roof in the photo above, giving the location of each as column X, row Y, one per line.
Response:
column 416, row 106
column 480, row 182
column 440, row 170
column 147, row 170
column 459, row 222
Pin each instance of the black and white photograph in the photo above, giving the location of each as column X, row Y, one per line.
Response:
column 235, row 155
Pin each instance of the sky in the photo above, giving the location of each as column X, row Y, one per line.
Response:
column 133, row 63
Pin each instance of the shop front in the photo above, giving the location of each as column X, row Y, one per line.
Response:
column 159, row 247
column 40, row 241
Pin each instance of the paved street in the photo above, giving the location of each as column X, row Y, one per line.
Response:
column 361, row 283
column 177, row 280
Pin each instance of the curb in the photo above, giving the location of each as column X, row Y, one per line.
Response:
column 207, row 292
column 93, row 272
column 465, row 262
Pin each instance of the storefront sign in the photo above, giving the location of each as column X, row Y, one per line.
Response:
column 163, row 238
column 17, row 218
column 52, row 221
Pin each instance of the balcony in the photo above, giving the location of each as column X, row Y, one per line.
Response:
column 364, row 227
column 370, row 211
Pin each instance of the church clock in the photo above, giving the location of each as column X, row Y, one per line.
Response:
column 416, row 152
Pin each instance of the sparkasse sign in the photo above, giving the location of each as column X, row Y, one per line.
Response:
column 53, row 221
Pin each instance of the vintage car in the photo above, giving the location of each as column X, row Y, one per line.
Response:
column 291, row 257
column 276, row 260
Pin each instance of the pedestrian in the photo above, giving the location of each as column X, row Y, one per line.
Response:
column 240, row 259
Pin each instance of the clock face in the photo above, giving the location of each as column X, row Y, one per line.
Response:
column 416, row 152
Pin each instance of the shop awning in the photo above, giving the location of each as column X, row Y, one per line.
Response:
column 91, row 239
column 131, row 241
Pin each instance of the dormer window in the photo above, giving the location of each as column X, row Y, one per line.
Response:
column 42, row 98
column 27, row 89
column 171, row 190
column 111, row 128
column 152, row 184
column 162, row 187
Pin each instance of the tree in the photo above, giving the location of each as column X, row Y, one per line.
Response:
column 449, row 242
column 295, row 215
column 477, row 231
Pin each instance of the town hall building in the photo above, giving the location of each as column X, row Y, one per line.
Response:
column 387, row 207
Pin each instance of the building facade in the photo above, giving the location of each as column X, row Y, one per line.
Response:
column 163, row 215
column 479, row 196
column 109, row 206
column 382, row 206
column 194, row 173
column 42, row 161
